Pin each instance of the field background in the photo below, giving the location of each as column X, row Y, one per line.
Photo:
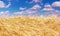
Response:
column 30, row 26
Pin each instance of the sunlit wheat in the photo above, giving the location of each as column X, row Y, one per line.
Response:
column 30, row 26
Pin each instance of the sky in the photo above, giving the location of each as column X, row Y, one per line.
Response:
column 29, row 7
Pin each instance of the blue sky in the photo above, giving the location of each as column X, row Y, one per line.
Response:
column 29, row 7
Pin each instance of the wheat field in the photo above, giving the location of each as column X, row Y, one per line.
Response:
column 30, row 26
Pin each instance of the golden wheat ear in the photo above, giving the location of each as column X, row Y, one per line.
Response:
column 30, row 26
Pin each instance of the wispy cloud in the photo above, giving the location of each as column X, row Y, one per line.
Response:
column 48, row 7
column 49, row 10
column 22, row 8
column 56, row 4
column 33, row 11
column 4, row 14
column 3, row 5
column 36, row 6
column 9, row 4
column 35, row 1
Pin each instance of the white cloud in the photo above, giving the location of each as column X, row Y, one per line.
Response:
column 33, row 11
column 3, row 5
column 4, row 14
column 48, row 7
column 35, row 1
column 36, row 6
column 56, row 4
column 26, row 13
column 7, row 6
column 49, row 10
column 18, row 13
column 22, row 8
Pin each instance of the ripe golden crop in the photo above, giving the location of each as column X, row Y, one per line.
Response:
column 30, row 26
